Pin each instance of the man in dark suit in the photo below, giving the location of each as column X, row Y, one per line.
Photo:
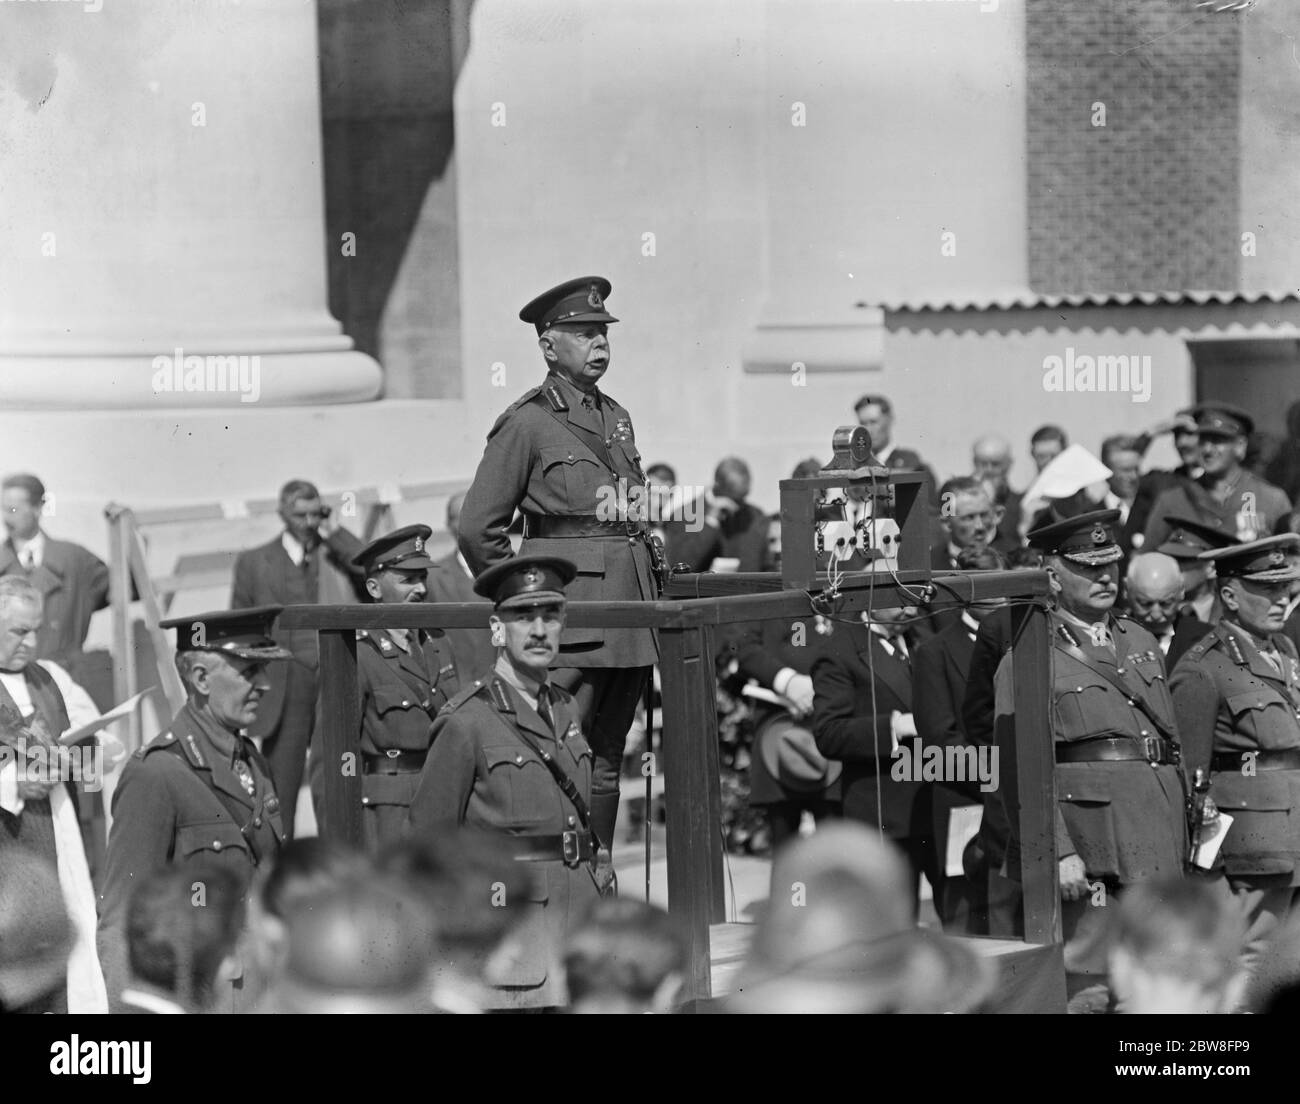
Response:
column 450, row 580
column 862, row 711
column 73, row 581
column 561, row 454
column 1123, row 455
column 877, row 414
column 309, row 562
column 1153, row 593
column 788, row 775
column 940, row 668
column 990, row 463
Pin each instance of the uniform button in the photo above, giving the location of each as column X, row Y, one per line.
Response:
column 1132, row 701
column 519, row 758
column 1079, row 689
column 424, row 705
column 1119, row 670
column 572, row 820
column 216, row 845
column 365, row 801
column 257, row 822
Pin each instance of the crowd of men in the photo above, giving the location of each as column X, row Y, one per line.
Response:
column 490, row 757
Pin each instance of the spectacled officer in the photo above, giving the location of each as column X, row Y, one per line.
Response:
column 201, row 789
column 1120, row 813
column 1237, row 696
column 560, row 455
column 404, row 677
column 509, row 757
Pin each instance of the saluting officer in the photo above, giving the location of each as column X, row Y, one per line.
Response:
column 1237, row 696
column 201, row 788
column 509, row 757
column 404, row 677
column 564, row 455
column 1120, row 813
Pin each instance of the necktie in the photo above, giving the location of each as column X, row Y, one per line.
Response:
column 544, row 707
column 29, row 559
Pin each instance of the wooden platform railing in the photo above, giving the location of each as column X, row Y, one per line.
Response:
column 129, row 577
column 690, row 744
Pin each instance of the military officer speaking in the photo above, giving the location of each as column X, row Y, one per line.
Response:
column 1120, row 815
column 509, row 757
column 561, row 454
column 1237, row 697
column 201, row 788
column 404, row 676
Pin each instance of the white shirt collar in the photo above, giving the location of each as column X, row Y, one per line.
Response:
column 526, row 687
column 885, row 453
column 35, row 548
column 293, row 547
column 464, row 566
column 151, row 1002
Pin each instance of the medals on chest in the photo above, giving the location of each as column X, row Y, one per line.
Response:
column 245, row 776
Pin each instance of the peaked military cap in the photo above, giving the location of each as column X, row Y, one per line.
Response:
column 1220, row 419
column 245, row 633
column 1189, row 538
column 1086, row 539
column 580, row 300
column 402, row 548
column 525, row 580
column 1267, row 560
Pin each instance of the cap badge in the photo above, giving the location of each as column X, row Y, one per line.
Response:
column 419, row 544
column 593, row 298
column 1098, row 534
column 1276, row 558
column 532, row 576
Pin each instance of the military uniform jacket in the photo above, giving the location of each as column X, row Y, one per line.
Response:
column 480, row 774
column 1125, row 820
column 173, row 802
column 401, row 693
column 1190, row 498
column 553, row 455
column 1230, row 699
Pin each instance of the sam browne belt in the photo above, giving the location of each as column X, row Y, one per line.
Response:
column 1117, row 749
column 570, row 848
column 1285, row 759
column 393, row 761
column 579, row 525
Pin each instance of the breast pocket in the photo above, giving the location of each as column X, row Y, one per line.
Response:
column 209, row 839
column 522, row 788
column 575, row 476
column 1264, row 715
column 1081, row 710
column 389, row 699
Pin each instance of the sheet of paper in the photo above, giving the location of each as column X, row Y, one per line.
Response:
column 963, row 823
column 114, row 714
column 1212, row 837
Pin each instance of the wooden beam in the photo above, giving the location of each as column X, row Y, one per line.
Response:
column 338, row 717
column 125, row 681
column 691, row 788
column 1034, row 774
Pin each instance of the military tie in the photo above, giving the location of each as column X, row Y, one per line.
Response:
column 544, row 707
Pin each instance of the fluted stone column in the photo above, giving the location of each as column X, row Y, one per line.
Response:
column 160, row 190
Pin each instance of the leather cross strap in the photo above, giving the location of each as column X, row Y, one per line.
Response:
column 600, row 447
column 1136, row 700
column 565, row 783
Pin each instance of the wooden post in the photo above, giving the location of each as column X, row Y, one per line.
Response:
column 339, row 718
column 690, row 750
column 1034, row 778
column 121, row 523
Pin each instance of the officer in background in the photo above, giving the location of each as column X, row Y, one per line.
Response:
column 1120, row 813
column 1237, row 697
column 404, row 676
column 561, row 454
column 509, row 757
column 201, row 789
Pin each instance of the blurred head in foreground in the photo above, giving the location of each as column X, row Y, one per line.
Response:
column 1176, row 947
column 36, row 935
column 837, row 936
column 628, row 958
column 474, row 892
